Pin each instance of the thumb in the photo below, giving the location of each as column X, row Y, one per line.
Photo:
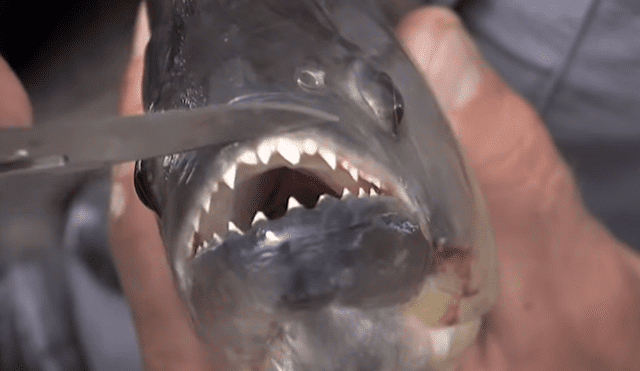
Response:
column 509, row 149
column 557, row 263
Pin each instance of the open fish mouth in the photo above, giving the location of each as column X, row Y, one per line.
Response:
column 263, row 186
column 294, row 231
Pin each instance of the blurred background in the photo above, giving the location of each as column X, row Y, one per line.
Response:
column 60, row 301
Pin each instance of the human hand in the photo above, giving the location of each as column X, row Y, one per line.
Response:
column 569, row 294
column 568, row 289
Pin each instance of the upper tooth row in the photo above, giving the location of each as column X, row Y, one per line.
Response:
column 292, row 150
column 289, row 148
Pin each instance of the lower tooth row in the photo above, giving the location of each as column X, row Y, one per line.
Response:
column 361, row 193
column 292, row 203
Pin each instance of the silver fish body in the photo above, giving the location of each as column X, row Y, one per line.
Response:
column 354, row 244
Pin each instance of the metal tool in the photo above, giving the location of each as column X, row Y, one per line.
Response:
column 87, row 145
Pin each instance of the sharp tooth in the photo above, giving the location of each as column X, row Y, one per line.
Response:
column 216, row 239
column 323, row 197
column 271, row 237
column 264, row 151
column 234, row 228
column 289, row 151
column 259, row 216
column 196, row 223
column 293, row 203
column 190, row 243
column 248, row 157
column 354, row 173
column 206, row 202
column 361, row 193
column 229, row 177
column 372, row 192
column 375, row 181
column 345, row 193
column 329, row 157
column 310, row 147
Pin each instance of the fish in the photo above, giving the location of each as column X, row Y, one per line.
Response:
column 360, row 243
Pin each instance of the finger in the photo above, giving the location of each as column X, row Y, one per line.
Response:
column 15, row 107
column 131, row 89
column 166, row 337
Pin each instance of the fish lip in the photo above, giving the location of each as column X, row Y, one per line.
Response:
column 321, row 148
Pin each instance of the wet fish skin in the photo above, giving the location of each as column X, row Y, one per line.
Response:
column 258, row 294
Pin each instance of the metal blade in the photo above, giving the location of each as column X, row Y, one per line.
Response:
column 120, row 139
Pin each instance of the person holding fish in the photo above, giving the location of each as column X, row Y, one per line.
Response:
column 568, row 289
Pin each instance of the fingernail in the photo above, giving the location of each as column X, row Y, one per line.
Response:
column 141, row 31
column 437, row 41
column 454, row 70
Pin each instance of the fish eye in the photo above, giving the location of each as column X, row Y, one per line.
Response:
column 381, row 95
column 142, row 177
column 392, row 104
column 310, row 78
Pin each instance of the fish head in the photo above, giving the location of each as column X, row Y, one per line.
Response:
column 266, row 235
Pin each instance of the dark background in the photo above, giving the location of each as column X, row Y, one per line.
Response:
column 67, row 53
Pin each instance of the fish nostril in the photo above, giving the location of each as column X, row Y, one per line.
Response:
column 311, row 79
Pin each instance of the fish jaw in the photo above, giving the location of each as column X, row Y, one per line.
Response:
column 286, row 228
